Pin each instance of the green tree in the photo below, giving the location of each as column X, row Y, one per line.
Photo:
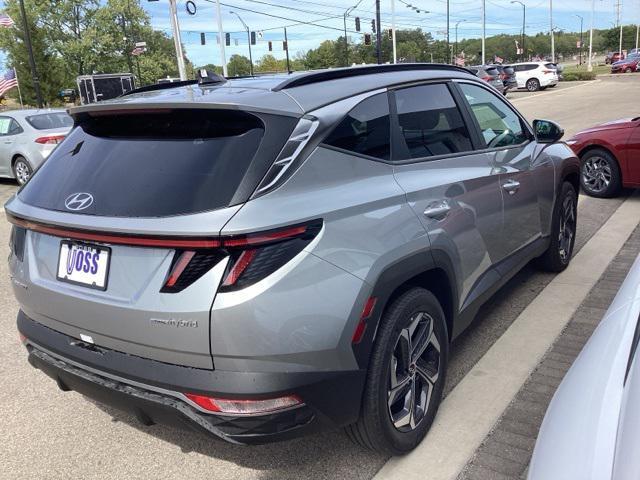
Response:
column 238, row 65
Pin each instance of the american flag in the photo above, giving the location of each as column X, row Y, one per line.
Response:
column 138, row 51
column 6, row 21
column 8, row 81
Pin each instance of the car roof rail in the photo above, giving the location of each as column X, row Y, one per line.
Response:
column 312, row 77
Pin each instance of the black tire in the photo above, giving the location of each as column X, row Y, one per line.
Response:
column 628, row 70
column 563, row 231
column 375, row 428
column 600, row 174
column 21, row 170
column 533, row 85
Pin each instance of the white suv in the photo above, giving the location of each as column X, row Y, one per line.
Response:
column 536, row 75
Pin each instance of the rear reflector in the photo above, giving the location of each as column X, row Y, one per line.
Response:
column 362, row 324
column 244, row 407
column 22, row 338
column 50, row 139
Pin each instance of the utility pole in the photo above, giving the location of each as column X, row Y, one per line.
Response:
column 393, row 30
column 581, row 20
column 484, row 32
column 378, row 34
column 448, row 42
column 456, row 49
column 248, row 40
column 553, row 46
column 593, row 8
column 126, row 43
column 32, row 61
column 177, row 42
column 524, row 16
column 286, row 49
column 223, row 57
column 637, row 35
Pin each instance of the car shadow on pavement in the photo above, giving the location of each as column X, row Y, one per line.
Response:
column 323, row 455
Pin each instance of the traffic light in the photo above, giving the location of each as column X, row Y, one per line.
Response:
column 253, row 38
column 227, row 39
column 270, row 47
column 390, row 32
column 373, row 26
column 367, row 39
column 357, row 24
column 202, row 39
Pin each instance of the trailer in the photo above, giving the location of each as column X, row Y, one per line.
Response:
column 104, row 86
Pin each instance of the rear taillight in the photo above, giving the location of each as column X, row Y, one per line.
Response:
column 16, row 241
column 244, row 407
column 548, row 71
column 50, row 139
column 252, row 257
column 503, row 76
column 487, row 78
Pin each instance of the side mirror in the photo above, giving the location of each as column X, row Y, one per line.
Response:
column 547, row 131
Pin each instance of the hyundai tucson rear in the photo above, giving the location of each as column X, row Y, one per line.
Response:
column 246, row 258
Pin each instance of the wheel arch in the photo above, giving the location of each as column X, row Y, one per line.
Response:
column 424, row 269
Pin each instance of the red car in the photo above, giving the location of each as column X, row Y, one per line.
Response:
column 613, row 57
column 609, row 156
column 628, row 65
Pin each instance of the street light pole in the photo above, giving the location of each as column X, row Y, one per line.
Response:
column 593, row 9
column 581, row 20
column 553, row 47
column 346, row 43
column 484, row 24
column 448, row 41
column 248, row 40
column 32, row 61
column 393, row 30
column 524, row 17
column 177, row 42
column 223, row 57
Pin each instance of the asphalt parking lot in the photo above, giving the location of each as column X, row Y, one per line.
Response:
column 51, row 434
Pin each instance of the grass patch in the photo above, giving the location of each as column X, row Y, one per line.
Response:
column 580, row 72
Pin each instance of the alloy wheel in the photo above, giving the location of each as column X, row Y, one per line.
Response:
column 22, row 171
column 596, row 174
column 413, row 373
column 567, row 228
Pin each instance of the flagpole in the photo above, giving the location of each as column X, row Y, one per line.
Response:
column 15, row 72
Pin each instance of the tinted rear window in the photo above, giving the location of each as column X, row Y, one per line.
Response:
column 149, row 165
column 49, row 121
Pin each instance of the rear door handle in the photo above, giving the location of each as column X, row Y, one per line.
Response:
column 437, row 210
column 511, row 186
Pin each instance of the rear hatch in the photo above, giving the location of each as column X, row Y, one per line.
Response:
column 115, row 239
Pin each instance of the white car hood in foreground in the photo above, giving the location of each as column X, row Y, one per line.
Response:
column 577, row 439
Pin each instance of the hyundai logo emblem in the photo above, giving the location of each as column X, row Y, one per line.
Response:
column 78, row 201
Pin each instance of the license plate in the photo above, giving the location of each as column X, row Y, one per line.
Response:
column 84, row 264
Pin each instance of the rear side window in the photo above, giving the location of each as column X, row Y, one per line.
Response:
column 8, row 126
column 500, row 126
column 430, row 122
column 150, row 164
column 365, row 129
column 49, row 121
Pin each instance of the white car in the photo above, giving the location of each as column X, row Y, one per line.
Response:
column 536, row 75
column 27, row 139
column 591, row 430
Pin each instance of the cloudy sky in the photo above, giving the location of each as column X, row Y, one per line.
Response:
column 325, row 20
column 309, row 22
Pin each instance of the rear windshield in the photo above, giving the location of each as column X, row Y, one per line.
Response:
column 150, row 164
column 49, row 121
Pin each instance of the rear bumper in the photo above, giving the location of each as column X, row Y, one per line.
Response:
column 153, row 391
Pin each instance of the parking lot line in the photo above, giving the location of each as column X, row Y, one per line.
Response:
column 555, row 92
column 471, row 409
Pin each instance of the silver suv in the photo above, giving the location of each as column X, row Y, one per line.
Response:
column 259, row 258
